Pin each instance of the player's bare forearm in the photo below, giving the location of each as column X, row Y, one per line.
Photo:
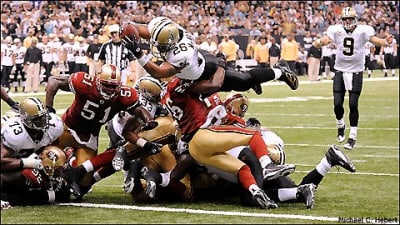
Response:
column 143, row 114
column 163, row 71
column 322, row 41
column 8, row 163
column 381, row 41
column 54, row 83
column 209, row 86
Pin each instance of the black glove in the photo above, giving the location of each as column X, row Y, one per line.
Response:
column 152, row 147
column 51, row 109
column 253, row 122
column 149, row 125
column 133, row 46
column 221, row 59
column 14, row 105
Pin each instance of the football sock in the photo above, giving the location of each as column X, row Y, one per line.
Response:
column 245, row 177
column 285, row 194
column 102, row 159
column 313, row 176
column 165, row 179
column 353, row 133
column 340, row 123
column 265, row 160
column 323, row 167
column 278, row 73
column 393, row 72
column 258, row 145
column 88, row 166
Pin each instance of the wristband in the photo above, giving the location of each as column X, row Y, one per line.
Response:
column 10, row 102
column 144, row 59
column 141, row 142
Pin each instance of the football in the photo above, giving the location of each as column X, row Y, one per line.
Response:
column 130, row 31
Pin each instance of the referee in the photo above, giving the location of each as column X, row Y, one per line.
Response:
column 113, row 52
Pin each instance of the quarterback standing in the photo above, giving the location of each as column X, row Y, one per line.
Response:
column 350, row 39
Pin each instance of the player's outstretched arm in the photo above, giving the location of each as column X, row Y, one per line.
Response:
column 381, row 41
column 53, row 85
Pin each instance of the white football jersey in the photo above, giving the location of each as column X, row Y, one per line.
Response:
column 19, row 54
column 6, row 54
column 368, row 47
column 69, row 47
column 350, row 54
column 15, row 136
column 80, row 53
column 390, row 48
column 186, row 55
column 119, row 122
column 46, row 52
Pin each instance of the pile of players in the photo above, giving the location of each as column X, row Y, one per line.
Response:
column 171, row 134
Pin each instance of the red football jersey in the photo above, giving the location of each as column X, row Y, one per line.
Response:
column 89, row 111
column 231, row 119
column 188, row 109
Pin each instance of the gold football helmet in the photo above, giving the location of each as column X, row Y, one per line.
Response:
column 349, row 18
column 164, row 35
column 237, row 104
column 53, row 159
column 108, row 81
column 277, row 153
column 150, row 88
column 33, row 114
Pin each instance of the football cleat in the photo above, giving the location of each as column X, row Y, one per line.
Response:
column 273, row 171
column 340, row 134
column 350, row 144
column 263, row 200
column 257, row 89
column 288, row 76
column 5, row 205
column 74, row 174
column 151, row 189
column 306, row 192
column 118, row 161
column 129, row 184
column 336, row 157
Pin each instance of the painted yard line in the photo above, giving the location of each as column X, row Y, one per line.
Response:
column 330, row 128
column 356, row 173
column 208, row 212
column 316, row 115
column 358, row 145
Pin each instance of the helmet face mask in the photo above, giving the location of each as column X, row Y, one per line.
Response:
column 237, row 104
column 348, row 18
column 108, row 81
column 33, row 114
column 164, row 36
column 53, row 160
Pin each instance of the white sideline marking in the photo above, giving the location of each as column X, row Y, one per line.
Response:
column 358, row 145
column 199, row 211
column 356, row 173
column 331, row 128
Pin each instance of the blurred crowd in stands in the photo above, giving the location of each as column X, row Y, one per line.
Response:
column 246, row 23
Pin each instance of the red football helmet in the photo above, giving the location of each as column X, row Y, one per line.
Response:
column 237, row 104
column 109, row 81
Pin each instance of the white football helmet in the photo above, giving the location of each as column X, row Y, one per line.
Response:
column 164, row 35
column 237, row 104
column 150, row 88
column 33, row 114
column 108, row 81
column 349, row 18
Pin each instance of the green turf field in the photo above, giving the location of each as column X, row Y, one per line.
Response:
column 305, row 120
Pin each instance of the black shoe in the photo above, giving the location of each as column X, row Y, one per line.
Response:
column 340, row 133
column 306, row 193
column 152, row 179
column 257, row 89
column 336, row 157
column 118, row 161
column 350, row 144
column 132, row 179
column 263, row 200
column 385, row 75
column 272, row 171
column 288, row 76
column 73, row 176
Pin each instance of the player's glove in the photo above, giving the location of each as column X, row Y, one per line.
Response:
column 221, row 59
column 33, row 161
column 149, row 125
column 14, row 105
column 133, row 46
column 152, row 147
column 51, row 109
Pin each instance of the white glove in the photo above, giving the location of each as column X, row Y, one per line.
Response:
column 33, row 161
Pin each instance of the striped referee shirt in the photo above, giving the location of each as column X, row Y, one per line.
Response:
column 116, row 54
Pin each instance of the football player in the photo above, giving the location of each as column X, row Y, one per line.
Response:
column 183, row 59
column 208, row 143
column 23, row 166
column 97, row 99
column 349, row 39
